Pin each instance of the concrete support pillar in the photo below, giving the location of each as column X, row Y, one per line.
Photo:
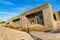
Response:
column 35, row 19
column 48, row 17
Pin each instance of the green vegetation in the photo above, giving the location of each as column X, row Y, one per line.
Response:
column 2, row 22
column 16, row 17
column 39, row 39
column 15, row 20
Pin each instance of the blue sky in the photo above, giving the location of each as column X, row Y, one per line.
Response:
column 11, row 8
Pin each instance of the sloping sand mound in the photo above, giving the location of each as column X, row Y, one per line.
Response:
column 10, row 34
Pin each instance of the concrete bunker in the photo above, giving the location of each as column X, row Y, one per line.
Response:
column 42, row 16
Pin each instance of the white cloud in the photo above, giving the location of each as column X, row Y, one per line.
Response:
column 4, row 16
column 23, row 8
column 7, row 13
column 42, row 0
column 6, row 2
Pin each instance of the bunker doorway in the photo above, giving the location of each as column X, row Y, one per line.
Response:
column 36, row 18
column 40, row 19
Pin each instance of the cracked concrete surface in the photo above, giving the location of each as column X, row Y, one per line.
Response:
column 46, row 35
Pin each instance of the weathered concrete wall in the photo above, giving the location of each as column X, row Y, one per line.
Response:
column 10, row 34
column 57, row 28
column 40, row 28
column 48, row 17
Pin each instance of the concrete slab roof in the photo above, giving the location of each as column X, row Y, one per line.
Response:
column 36, row 9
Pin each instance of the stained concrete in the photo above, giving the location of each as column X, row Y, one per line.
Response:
column 46, row 35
